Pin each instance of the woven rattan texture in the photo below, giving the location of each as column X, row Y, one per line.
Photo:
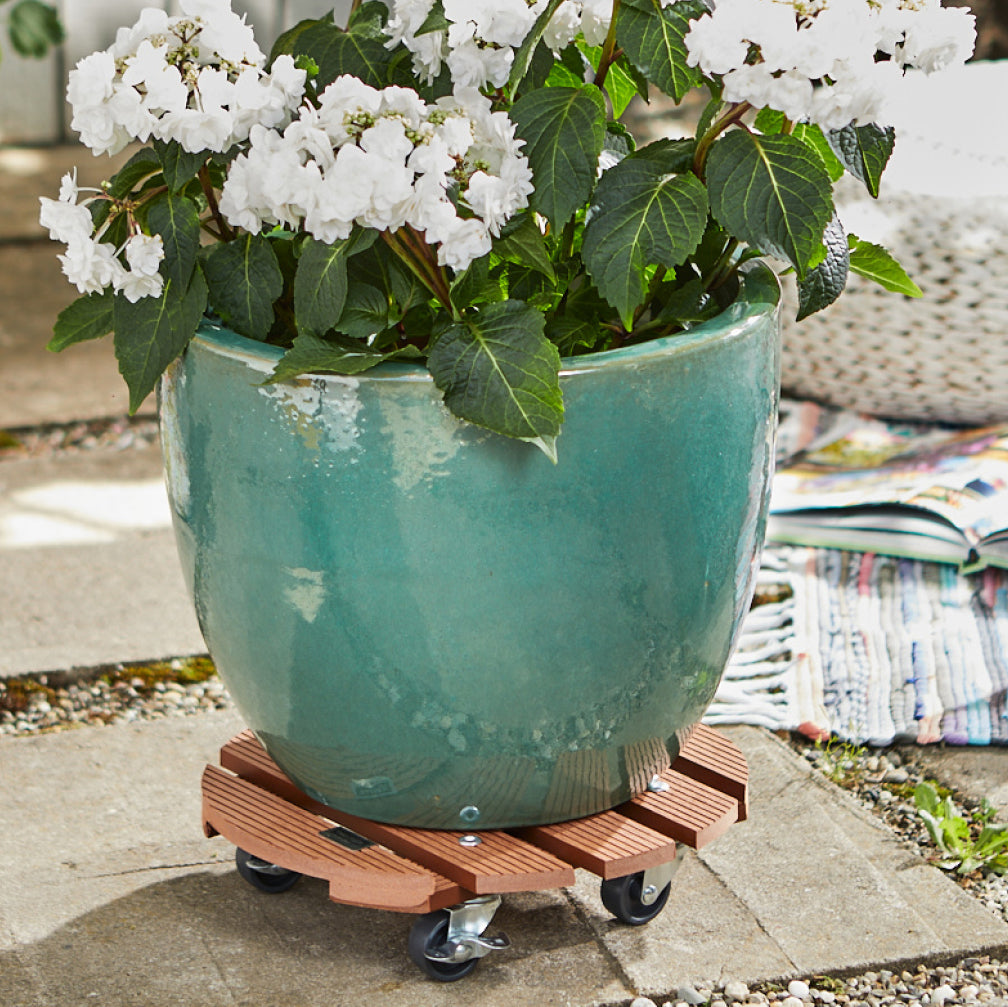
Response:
column 943, row 357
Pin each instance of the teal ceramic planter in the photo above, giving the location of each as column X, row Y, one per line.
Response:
column 428, row 624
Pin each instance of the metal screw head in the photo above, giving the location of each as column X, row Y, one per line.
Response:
column 658, row 785
column 470, row 840
column 470, row 813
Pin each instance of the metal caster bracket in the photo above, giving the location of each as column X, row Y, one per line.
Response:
column 657, row 878
column 466, row 924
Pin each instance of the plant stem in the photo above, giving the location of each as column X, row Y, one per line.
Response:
column 653, row 286
column 723, row 267
column 226, row 231
column 609, row 51
column 421, row 267
column 716, row 128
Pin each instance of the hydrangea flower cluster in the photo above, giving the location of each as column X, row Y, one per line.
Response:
column 479, row 44
column 829, row 62
column 385, row 159
column 90, row 264
column 196, row 78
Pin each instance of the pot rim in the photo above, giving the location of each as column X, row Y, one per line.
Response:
column 759, row 294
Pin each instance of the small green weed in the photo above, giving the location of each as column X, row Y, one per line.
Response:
column 842, row 762
column 966, row 844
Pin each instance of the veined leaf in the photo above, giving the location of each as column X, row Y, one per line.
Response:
column 771, row 122
column 435, row 20
column 180, row 167
column 288, row 42
column 563, row 129
column 643, row 214
column 621, row 86
column 653, row 39
column 499, row 371
column 825, row 283
column 151, row 333
column 524, row 244
column 337, row 52
column 244, row 280
column 312, row 355
column 525, row 52
column 320, row 284
column 864, row 151
column 874, row 263
column 141, row 166
column 772, row 192
column 89, row 317
column 176, row 220
column 369, row 19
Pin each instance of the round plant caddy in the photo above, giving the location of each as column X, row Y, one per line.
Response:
column 427, row 624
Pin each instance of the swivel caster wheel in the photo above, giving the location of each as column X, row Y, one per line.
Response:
column 428, row 935
column 632, row 900
column 448, row 944
column 265, row 876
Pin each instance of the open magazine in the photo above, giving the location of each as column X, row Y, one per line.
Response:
column 940, row 495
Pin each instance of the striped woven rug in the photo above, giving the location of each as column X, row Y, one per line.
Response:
column 872, row 649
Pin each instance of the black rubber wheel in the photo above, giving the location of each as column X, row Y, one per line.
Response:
column 431, row 931
column 622, row 897
column 274, row 881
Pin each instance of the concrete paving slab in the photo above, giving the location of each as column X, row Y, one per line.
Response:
column 90, row 573
column 110, row 895
column 829, row 883
column 36, row 386
column 976, row 771
column 705, row 935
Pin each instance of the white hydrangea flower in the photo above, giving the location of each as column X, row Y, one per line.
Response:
column 385, row 159
column 90, row 265
column 197, row 78
column 479, row 45
column 817, row 60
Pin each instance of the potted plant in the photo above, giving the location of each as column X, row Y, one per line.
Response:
column 467, row 400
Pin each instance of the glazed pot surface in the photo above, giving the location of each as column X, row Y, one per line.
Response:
column 429, row 624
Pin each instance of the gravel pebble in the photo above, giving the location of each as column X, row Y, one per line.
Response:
column 37, row 707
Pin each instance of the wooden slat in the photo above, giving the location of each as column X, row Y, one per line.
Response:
column 607, row 844
column 710, row 758
column 501, row 863
column 274, row 830
column 689, row 811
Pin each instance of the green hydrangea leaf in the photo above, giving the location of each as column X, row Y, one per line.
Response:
column 369, row 19
column 320, row 283
column 864, row 151
column 498, row 370
column 244, row 279
column 151, row 333
column 522, row 242
column 824, row 283
column 770, row 121
column 653, row 39
column 435, row 20
column 142, row 166
column 772, row 192
column 176, row 220
column 179, row 165
column 89, row 317
column 337, row 51
column 336, row 355
column 34, row 28
column 525, row 53
column 643, row 214
column 875, row 263
column 563, row 129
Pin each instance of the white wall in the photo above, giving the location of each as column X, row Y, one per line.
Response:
column 31, row 91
